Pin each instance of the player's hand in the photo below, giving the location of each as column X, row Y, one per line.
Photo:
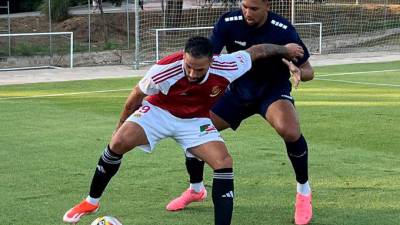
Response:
column 294, row 71
column 294, row 51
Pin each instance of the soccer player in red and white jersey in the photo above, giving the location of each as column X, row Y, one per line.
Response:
column 173, row 100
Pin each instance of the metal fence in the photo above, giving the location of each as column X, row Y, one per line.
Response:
column 137, row 32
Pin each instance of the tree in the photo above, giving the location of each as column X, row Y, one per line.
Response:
column 58, row 9
column 22, row 5
column 103, row 21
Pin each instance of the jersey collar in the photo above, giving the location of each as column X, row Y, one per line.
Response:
column 202, row 81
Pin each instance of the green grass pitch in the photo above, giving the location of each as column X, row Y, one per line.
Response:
column 50, row 146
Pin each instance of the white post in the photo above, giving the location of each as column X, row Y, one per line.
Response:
column 72, row 51
column 320, row 38
column 157, row 45
column 292, row 12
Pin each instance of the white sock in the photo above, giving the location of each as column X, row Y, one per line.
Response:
column 304, row 189
column 197, row 187
column 93, row 201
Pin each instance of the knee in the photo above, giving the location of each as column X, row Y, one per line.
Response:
column 117, row 144
column 289, row 133
column 223, row 162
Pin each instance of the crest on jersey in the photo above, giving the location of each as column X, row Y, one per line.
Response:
column 215, row 91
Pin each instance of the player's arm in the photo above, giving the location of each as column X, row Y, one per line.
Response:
column 307, row 71
column 133, row 102
column 290, row 51
column 303, row 73
column 217, row 36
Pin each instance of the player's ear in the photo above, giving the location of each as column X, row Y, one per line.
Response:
column 268, row 4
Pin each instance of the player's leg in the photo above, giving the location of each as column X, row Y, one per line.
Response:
column 128, row 136
column 226, row 113
column 282, row 116
column 194, row 166
column 216, row 155
column 142, row 129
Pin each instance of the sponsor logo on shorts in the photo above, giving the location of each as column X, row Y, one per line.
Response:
column 137, row 115
column 215, row 91
column 206, row 129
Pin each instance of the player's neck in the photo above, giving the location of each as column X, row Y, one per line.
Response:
column 262, row 22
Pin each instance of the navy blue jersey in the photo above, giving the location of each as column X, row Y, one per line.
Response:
column 233, row 32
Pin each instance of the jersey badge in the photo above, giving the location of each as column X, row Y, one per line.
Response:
column 215, row 91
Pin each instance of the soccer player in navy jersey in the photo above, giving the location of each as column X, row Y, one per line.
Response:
column 264, row 90
column 173, row 100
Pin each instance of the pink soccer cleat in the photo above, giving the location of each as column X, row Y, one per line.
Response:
column 186, row 198
column 303, row 211
column 74, row 214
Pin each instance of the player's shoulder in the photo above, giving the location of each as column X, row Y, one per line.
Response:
column 278, row 22
column 169, row 67
column 231, row 17
column 230, row 62
column 171, row 59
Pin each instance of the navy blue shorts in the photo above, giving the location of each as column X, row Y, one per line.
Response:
column 233, row 110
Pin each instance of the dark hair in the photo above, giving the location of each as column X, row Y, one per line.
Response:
column 199, row 47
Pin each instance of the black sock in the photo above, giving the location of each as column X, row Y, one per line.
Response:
column 195, row 169
column 107, row 167
column 222, row 195
column 298, row 155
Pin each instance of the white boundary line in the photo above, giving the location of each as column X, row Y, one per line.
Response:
column 317, row 78
column 63, row 94
column 351, row 73
column 359, row 82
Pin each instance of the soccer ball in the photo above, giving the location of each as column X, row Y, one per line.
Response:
column 106, row 220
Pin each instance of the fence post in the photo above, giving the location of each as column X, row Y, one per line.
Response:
column 89, row 28
column 127, row 23
column 51, row 37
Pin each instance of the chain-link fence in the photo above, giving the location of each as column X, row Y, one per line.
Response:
column 140, row 31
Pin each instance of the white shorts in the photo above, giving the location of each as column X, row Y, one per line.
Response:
column 158, row 124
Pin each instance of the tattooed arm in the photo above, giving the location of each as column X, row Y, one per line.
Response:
column 290, row 51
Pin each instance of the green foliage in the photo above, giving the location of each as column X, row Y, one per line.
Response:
column 58, row 8
column 116, row 2
column 24, row 5
column 110, row 45
column 78, row 2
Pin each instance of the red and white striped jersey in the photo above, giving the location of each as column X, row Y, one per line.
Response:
column 169, row 89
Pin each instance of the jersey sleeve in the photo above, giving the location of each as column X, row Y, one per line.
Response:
column 149, row 86
column 293, row 37
column 217, row 36
column 232, row 66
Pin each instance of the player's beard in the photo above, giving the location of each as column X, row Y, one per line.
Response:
column 194, row 81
